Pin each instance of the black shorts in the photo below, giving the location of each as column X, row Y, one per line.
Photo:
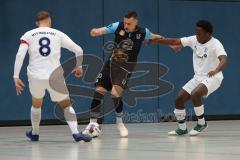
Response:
column 111, row 74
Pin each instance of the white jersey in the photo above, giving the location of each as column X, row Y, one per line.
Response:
column 205, row 56
column 44, row 47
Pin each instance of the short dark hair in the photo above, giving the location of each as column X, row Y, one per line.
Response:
column 41, row 15
column 206, row 25
column 130, row 14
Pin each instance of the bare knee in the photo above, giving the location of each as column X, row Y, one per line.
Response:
column 101, row 90
column 116, row 91
column 65, row 103
column 196, row 95
column 179, row 102
column 181, row 99
column 37, row 103
column 199, row 92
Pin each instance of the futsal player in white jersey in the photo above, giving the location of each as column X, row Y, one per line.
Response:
column 43, row 45
column 209, row 60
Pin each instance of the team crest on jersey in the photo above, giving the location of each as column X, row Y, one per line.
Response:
column 122, row 32
column 138, row 36
column 205, row 50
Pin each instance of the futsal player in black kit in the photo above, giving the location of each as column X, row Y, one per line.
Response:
column 117, row 69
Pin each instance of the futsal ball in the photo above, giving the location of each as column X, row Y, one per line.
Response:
column 93, row 130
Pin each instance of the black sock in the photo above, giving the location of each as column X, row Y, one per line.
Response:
column 96, row 105
column 118, row 104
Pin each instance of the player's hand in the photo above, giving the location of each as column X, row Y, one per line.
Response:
column 94, row 32
column 19, row 85
column 176, row 48
column 78, row 71
column 212, row 73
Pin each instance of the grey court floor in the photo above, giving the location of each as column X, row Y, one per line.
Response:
column 221, row 141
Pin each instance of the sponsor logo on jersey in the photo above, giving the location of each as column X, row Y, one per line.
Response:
column 138, row 36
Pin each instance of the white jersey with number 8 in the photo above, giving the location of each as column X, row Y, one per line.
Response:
column 44, row 48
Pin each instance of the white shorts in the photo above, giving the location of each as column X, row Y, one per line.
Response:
column 212, row 84
column 38, row 88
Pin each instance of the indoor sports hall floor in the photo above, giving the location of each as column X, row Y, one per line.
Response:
column 221, row 141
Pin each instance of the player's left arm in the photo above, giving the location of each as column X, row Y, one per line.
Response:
column 220, row 67
column 222, row 56
column 67, row 43
column 22, row 51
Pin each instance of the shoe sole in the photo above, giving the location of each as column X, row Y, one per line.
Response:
column 177, row 134
column 33, row 140
column 81, row 139
column 198, row 132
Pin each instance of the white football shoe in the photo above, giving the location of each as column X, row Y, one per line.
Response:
column 123, row 131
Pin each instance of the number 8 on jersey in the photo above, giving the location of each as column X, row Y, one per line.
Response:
column 44, row 49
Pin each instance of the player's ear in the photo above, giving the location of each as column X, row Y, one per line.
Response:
column 50, row 22
column 136, row 21
column 37, row 24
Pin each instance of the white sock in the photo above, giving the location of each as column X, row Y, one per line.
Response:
column 94, row 120
column 182, row 126
column 119, row 118
column 35, row 120
column 200, row 111
column 70, row 117
column 180, row 116
column 201, row 121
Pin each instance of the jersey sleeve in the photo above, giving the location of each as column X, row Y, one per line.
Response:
column 67, row 43
column 188, row 41
column 24, row 39
column 111, row 28
column 220, row 49
column 148, row 34
column 22, row 51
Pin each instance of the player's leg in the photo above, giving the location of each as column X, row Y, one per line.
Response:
column 96, row 104
column 33, row 134
column 69, row 115
column 64, row 102
column 119, row 76
column 118, row 104
column 196, row 97
column 36, row 114
column 71, row 119
column 95, row 113
column 37, row 90
column 205, row 88
column 180, row 112
column 103, row 85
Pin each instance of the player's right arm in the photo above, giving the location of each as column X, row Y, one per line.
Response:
column 167, row 41
column 22, row 51
column 104, row 30
column 67, row 43
column 175, row 43
column 185, row 41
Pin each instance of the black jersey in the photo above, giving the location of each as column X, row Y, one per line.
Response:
column 130, row 42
